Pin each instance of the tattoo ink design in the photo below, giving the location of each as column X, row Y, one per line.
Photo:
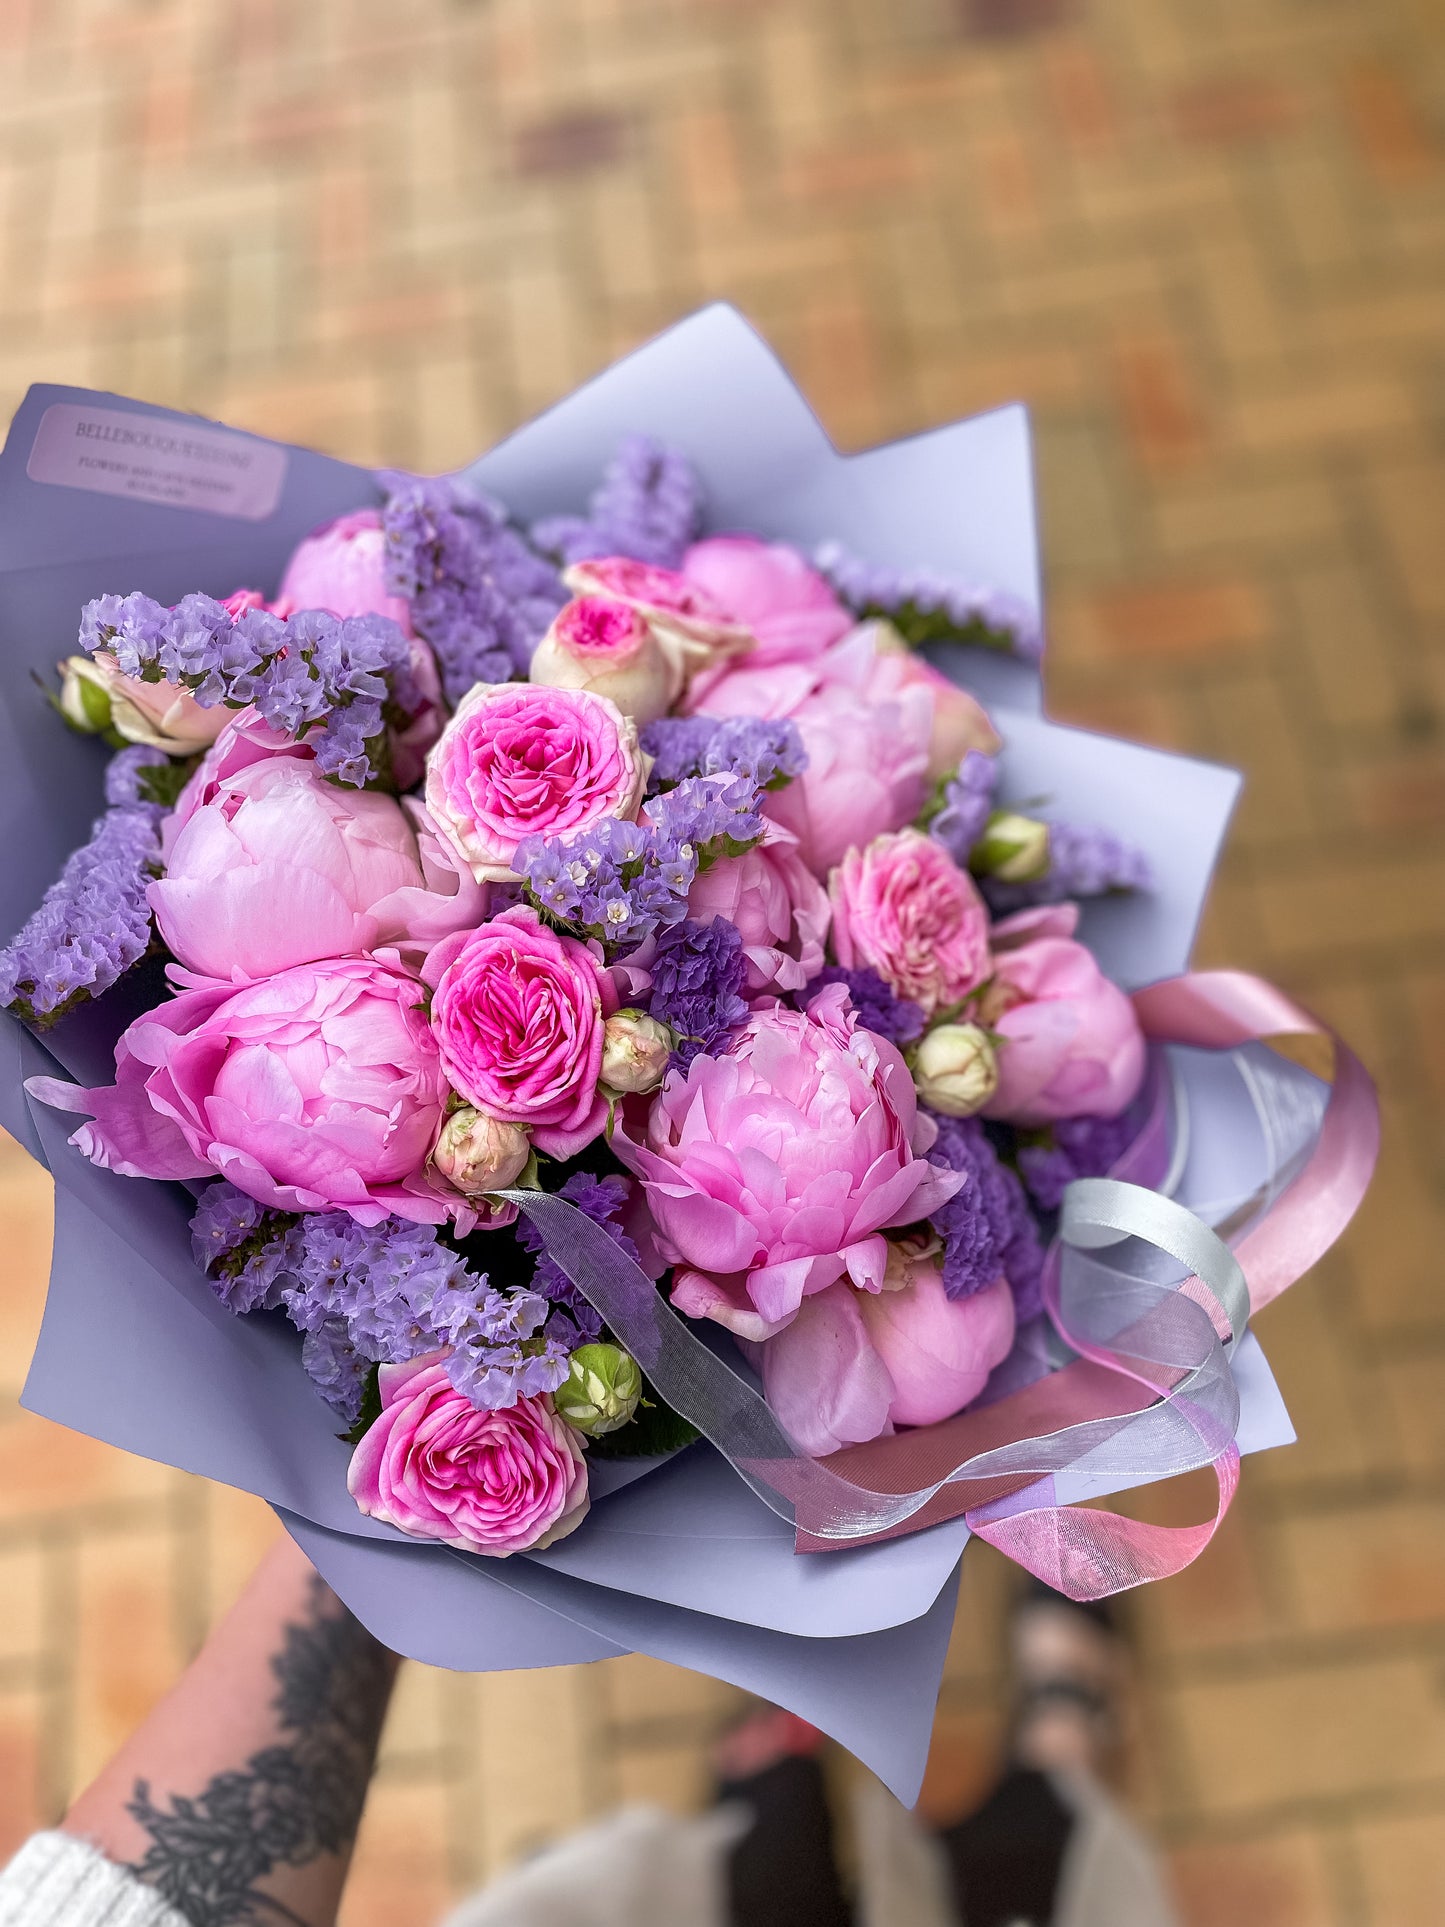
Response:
column 290, row 1803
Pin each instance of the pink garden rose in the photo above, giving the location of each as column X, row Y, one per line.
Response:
column 519, row 760
column 902, row 907
column 852, row 1364
column 317, row 1090
column 342, row 567
column 608, row 647
column 778, row 905
column 866, row 726
column 518, row 1011
column 772, row 1171
column 693, row 630
column 787, row 606
column 94, row 694
column 1070, row 1043
column 488, row 1482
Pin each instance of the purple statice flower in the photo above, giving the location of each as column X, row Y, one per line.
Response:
column 766, row 753
column 93, row 922
column 224, row 1218
column 124, row 781
column 698, row 975
column 479, row 595
column 1074, row 1147
column 648, row 506
column 986, row 1227
column 1084, row 861
column 401, row 1292
column 898, row 1019
column 336, row 1368
column 965, row 806
column 712, row 815
column 599, row 1199
column 927, row 607
column 315, row 672
column 615, row 881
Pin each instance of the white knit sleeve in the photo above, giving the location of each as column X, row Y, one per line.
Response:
column 58, row 1881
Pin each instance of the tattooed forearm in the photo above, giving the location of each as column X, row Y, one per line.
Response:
column 290, row 1803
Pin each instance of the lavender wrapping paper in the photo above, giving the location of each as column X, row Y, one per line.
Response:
column 678, row 1559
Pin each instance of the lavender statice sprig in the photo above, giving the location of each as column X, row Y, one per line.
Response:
column 1070, row 1148
column 927, row 607
column 1083, row 861
column 964, row 805
column 384, row 1293
column 93, row 923
column 986, row 1227
column 601, row 1200
column 698, row 974
column 328, row 678
column 479, row 596
column 648, row 506
column 767, row 752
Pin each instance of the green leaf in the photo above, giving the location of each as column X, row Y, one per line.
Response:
column 370, row 1407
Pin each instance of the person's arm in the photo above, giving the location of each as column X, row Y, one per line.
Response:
column 239, row 1798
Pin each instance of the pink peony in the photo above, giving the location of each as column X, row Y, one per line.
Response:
column 771, row 1172
column 282, row 868
column 960, row 721
column 606, row 646
column 866, row 725
column 317, row 1090
column 518, row 1012
column 852, row 1365
column 768, row 587
column 902, row 907
column 342, row 567
column 488, row 1482
column 520, row 760
column 778, row 905
column 1070, row 1043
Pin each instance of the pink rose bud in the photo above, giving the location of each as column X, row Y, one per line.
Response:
column 94, row 695
column 955, row 1069
column 1013, row 848
column 476, row 1153
column 607, row 646
column 488, row 1482
column 693, row 629
column 635, row 1052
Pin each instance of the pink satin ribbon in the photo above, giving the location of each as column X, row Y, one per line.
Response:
column 1088, row 1554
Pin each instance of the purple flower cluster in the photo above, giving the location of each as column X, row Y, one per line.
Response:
column 698, row 975
column 622, row 882
column 478, row 594
column 898, row 1019
column 966, row 806
column 125, row 782
column 648, row 506
column 766, row 753
column 926, row 607
column 389, row 1292
column 615, row 881
column 1084, row 861
column 331, row 675
column 986, row 1227
column 600, row 1199
column 93, row 922
column 1076, row 1147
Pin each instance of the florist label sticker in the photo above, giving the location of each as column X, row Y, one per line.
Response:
column 153, row 459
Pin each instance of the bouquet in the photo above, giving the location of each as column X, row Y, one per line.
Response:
column 668, row 1093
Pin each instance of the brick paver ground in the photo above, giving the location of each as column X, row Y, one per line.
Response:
column 1205, row 239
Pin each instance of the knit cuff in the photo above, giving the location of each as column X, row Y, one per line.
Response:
column 58, row 1881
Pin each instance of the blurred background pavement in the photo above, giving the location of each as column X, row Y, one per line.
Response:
column 1205, row 241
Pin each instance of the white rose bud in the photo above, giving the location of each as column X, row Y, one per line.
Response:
column 477, row 1153
column 635, row 1051
column 84, row 697
column 955, row 1069
column 1015, row 849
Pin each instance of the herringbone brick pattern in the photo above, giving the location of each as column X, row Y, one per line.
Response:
column 1205, row 239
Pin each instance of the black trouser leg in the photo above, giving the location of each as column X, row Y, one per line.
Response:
column 1006, row 1858
column 781, row 1873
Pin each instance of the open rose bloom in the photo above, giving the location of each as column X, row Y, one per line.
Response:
column 560, row 913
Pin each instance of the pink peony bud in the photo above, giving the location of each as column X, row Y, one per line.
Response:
column 607, row 646
column 476, row 1153
column 635, row 1052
